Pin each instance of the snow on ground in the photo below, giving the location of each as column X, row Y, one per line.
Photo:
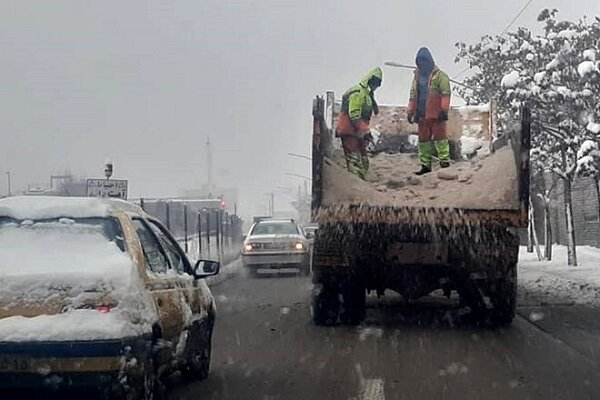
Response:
column 555, row 282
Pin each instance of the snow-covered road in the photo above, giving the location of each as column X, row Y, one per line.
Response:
column 554, row 282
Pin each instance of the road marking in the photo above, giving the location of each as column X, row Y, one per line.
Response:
column 372, row 389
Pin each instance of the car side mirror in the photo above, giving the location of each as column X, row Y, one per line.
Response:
column 310, row 235
column 204, row 268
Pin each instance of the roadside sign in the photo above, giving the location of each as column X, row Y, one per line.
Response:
column 107, row 188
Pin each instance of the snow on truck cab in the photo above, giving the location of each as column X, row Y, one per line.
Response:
column 89, row 287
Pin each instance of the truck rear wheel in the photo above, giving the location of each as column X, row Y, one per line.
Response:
column 501, row 292
column 325, row 305
column 354, row 303
column 503, row 296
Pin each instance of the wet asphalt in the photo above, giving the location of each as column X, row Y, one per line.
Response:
column 265, row 346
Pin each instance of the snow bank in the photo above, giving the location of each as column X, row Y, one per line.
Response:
column 510, row 80
column 586, row 67
column 554, row 281
column 42, row 207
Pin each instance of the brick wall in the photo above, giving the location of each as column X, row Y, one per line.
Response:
column 585, row 213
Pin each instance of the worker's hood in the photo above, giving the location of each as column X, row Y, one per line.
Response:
column 425, row 61
column 374, row 73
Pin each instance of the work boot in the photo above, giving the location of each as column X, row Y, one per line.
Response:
column 444, row 164
column 424, row 170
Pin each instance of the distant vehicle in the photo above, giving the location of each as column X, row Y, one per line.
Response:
column 260, row 218
column 276, row 244
column 309, row 231
column 96, row 292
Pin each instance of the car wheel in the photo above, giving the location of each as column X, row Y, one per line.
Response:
column 198, row 367
column 354, row 302
column 325, row 305
column 305, row 269
column 146, row 387
column 253, row 272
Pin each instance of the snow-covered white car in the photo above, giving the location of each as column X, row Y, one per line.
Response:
column 96, row 292
column 276, row 244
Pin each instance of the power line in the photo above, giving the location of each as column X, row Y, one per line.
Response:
column 516, row 17
column 503, row 32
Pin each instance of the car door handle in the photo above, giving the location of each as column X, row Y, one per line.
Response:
column 159, row 302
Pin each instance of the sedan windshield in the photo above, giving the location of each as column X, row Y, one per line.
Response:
column 103, row 229
column 275, row 228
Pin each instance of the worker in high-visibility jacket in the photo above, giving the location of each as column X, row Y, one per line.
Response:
column 428, row 106
column 353, row 125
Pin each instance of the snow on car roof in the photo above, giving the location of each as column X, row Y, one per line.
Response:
column 47, row 207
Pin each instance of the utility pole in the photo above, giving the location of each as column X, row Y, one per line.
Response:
column 272, row 204
column 9, row 184
column 209, row 167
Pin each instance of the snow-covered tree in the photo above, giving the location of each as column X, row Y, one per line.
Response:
column 556, row 74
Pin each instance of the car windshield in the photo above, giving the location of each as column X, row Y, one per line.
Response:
column 275, row 228
column 60, row 231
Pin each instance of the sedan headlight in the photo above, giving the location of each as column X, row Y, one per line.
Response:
column 300, row 246
column 248, row 247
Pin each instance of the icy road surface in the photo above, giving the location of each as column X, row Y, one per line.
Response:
column 266, row 347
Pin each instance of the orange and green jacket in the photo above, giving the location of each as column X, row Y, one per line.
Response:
column 357, row 106
column 438, row 98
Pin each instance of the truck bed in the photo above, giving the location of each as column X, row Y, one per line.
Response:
column 492, row 187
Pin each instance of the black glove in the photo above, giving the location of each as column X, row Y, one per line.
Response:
column 443, row 116
column 411, row 118
column 368, row 137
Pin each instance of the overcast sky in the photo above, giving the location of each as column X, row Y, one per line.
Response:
column 145, row 82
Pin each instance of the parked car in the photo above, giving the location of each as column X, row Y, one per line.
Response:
column 96, row 292
column 276, row 244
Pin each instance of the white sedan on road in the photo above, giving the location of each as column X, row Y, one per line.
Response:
column 276, row 244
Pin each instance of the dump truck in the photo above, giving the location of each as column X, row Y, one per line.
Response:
column 452, row 231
